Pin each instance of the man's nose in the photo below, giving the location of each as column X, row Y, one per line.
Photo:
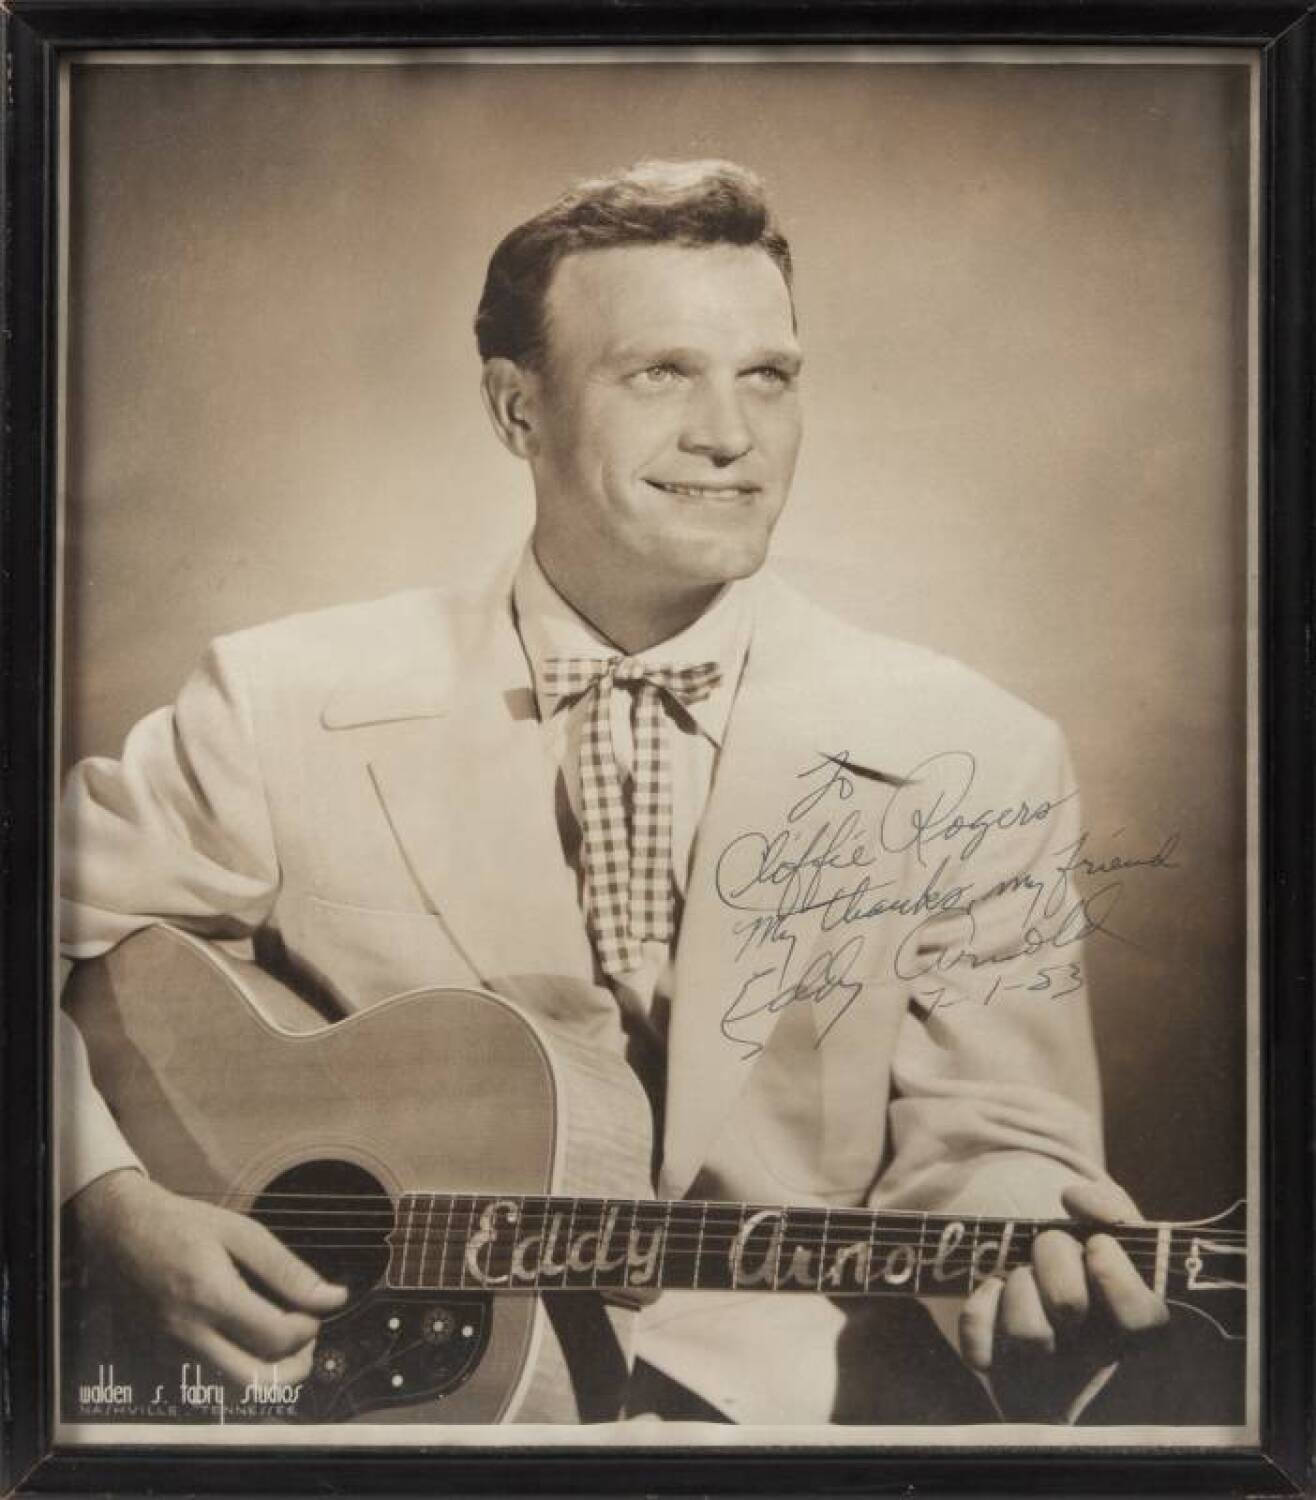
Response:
column 715, row 425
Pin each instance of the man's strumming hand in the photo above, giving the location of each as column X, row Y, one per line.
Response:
column 180, row 1263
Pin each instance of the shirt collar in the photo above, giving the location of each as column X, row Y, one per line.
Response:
column 549, row 626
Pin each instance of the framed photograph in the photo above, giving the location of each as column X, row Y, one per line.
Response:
column 659, row 790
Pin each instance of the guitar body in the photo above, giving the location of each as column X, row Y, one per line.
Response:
column 481, row 1184
column 232, row 1089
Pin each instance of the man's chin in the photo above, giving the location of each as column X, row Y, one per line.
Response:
column 711, row 579
column 712, row 562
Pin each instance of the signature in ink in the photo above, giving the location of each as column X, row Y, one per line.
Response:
column 754, row 860
column 1073, row 861
column 1054, row 981
column 926, row 949
column 926, row 809
column 835, row 866
column 824, row 977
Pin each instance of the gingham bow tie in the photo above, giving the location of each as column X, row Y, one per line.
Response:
column 628, row 885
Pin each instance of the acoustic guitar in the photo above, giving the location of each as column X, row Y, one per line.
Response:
column 457, row 1166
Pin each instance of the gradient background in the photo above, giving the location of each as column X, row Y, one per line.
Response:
column 1023, row 293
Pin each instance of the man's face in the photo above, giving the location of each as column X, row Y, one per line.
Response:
column 666, row 419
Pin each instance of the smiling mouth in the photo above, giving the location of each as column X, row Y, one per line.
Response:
column 706, row 491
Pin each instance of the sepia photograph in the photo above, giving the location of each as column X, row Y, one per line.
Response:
column 658, row 748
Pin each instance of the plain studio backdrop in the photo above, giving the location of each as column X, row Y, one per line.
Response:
column 1023, row 295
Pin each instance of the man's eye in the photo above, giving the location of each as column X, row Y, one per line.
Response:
column 657, row 375
column 772, row 375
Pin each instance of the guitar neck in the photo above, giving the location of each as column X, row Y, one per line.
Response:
column 462, row 1241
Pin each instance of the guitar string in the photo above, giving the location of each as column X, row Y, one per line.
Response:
column 320, row 1234
column 306, row 1219
column 963, row 1246
column 710, row 1248
column 564, row 1202
column 713, row 1239
column 387, row 1211
column 294, row 1221
column 963, row 1251
column 839, row 1233
column 710, row 1244
column 838, row 1229
column 952, row 1272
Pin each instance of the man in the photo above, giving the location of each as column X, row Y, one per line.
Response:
column 797, row 874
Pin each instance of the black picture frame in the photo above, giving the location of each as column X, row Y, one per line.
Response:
column 36, row 35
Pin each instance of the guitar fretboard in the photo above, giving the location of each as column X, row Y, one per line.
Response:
column 473, row 1242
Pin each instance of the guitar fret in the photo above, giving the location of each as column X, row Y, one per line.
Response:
column 646, row 1245
column 735, row 1263
column 543, row 1205
column 474, row 1211
column 699, row 1243
column 785, row 1251
column 445, row 1242
column 920, row 1255
column 400, row 1219
column 567, row 1240
column 409, row 1250
column 665, row 1244
column 523, row 1234
column 1003, row 1233
column 598, row 1243
column 391, row 1269
column 615, row 1249
column 518, row 1229
column 490, row 1238
column 778, row 1249
column 721, row 1246
column 999, row 1235
column 822, row 1249
column 679, row 1266
column 870, row 1264
column 425, row 1237
column 461, row 1243
column 553, row 1212
column 847, row 1250
column 796, row 1245
column 424, row 1215
column 556, row 1244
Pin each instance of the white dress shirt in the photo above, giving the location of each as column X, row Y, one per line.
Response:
column 550, row 627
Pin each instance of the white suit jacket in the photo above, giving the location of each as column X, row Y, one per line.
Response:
column 366, row 785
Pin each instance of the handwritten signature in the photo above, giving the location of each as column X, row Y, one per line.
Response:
column 824, row 871
column 1055, row 981
column 825, row 975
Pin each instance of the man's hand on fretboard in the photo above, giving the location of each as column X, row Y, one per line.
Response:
column 1044, row 1330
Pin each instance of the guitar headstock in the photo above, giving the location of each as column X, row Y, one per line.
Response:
column 1208, row 1268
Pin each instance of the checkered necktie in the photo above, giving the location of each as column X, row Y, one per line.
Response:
column 628, row 885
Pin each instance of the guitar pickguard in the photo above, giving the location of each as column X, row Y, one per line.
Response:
column 394, row 1351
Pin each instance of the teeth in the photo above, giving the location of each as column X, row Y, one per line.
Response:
column 702, row 491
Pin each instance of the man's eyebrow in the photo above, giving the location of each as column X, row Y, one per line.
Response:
column 788, row 359
column 662, row 354
column 652, row 354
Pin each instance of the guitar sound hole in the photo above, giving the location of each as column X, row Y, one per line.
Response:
column 334, row 1215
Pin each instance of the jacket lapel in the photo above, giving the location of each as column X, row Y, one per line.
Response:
column 469, row 793
column 738, row 973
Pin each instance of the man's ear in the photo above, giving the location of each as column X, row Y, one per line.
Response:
column 508, row 391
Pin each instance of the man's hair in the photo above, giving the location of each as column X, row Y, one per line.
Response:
column 691, row 203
